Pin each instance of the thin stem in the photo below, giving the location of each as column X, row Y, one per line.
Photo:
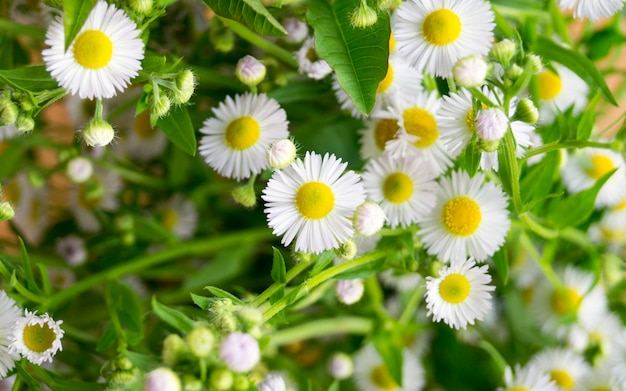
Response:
column 322, row 327
column 132, row 175
column 411, row 306
column 510, row 148
column 536, row 227
column 291, row 274
column 553, row 146
column 494, row 353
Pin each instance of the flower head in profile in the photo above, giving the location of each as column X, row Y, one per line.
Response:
column 309, row 63
column 36, row 337
column 313, row 201
column 10, row 314
column 235, row 141
column 104, row 56
column 371, row 373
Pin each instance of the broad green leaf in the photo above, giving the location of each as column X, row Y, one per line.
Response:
column 75, row 13
column 578, row 63
column 226, row 265
column 201, row 301
column 251, row 13
column 153, row 63
column 179, row 129
column 359, row 56
column 323, row 260
column 174, row 318
column 31, row 78
column 391, row 352
column 297, row 91
column 588, row 119
column 108, row 338
column 223, row 294
column 279, row 270
column 603, row 41
column 539, row 178
column 126, row 304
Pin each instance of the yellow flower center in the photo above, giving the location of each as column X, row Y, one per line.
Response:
column 39, row 338
column 143, row 128
column 565, row 302
column 382, row 378
column 562, row 379
column 392, row 42
column 398, row 187
column 600, row 166
column 315, row 200
column 441, row 27
column 386, row 82
column 454, row 288
column 384, row 131
column 549, row 85
column 242, row 133
column 422, row 124
column 470, row 121
column 93, row 49
column 461, row 216
column 169, row 218
column 517, row 388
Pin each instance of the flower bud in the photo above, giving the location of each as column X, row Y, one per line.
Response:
column 297, row 30
column 98, row 133
column 224, row 42
column 249, row 317
column 240, row 352
column 200, row 342
column 142, row 7
column 349, row 291
column 514, row 72
column 488, row 145
column 160, row 107
column 368, row 219
column 272, row 382
column 79, row 169
column 503, row 51
column 191, row 383
column 221, row 312
column 244, row 195
column 470, row 71
column 385, row 5
column 72, row 249
column 221, row 379
column 526, row 111
column 185, row 86
column 123, row 378
column 340, row 366
column 162, row 379
column 8, row 112
column 250, row 71
column 6, row 211
column 26, row 104
column 491, row 124
column 242, row 383
column 536, row 62
column 24, row 123
column 347, row 250
column 363, row 16
column 281, row 153
column 174, row 348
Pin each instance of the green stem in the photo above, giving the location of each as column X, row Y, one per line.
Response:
column 509, row 149
column 536, row 227
column 291, row 274
column 132, row 175
column 194, row 248
column 553, row 146
column 494, row 353
column 115, row 320
column 320, row 328
column 411, row 306
column 260, row 42
column 320, row 278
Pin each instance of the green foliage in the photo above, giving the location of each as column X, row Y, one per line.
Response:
column 172, row 317
column 75, row 13
column 279, row 270
column 252, row 13
column 179, row 129
column 31, row 78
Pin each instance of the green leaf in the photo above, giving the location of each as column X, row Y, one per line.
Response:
column 75, row 13
column 279, row 270
column 142, row 361
column 297, row 91
column 334, row 386
column 125, row 302
column 500, row 258
column 251, row 13
column 472, row 159
column 153, row 63
column 588, row 119
column 108, row 338
column 179, row 129
column 223, row 294
column 359, row 56
column 31, row 78
column 600, row 43
column 578, row 63
column 391, row 353
column 576, row 209
column 362, row 271
column 323, row 260
column 28, row 271
column 201, row 301
column 539, row 178
column 174, row 318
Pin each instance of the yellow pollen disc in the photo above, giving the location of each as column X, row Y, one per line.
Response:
column 242, row 133
column 382, row 379
column 565, row 302
column 441, row 27
column 386, row 82
column 562, row 379
column 169, row 218
column 384, row 131
column 550, row 85
column 470, row 121
column 600, row 166
column 461, row 216
column 143, row 129
column 392, row 42
column 38, row 338
column 517, row 388
column 398, row 187
column 454, row 288
column 93, row 49
column 422, row 124
column 315, row 200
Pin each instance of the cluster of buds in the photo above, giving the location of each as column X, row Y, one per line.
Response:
column 167, row 90
column 17, row 109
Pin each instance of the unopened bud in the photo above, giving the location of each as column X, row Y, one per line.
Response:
column 26, row 104
column 242, row 383
column 514, row 72
column 340, row 366
column 526, row 111
column 363, row 16
column 272, row 382
column 249, row 317
column 245, row 195
column 503, row 51
column 225, row 42
column 162, row 379
column 250, row 71
column 281, row 153
column 347, row 250
column 240, row 352
column 368, row 219
column 174, row 348
column 222, row 316
column 488, row 145
column 160, row 107
column 142, row 7
column 221, row 379
column 385, row 5
column 6, row 211
column 25, row 123
column 185, row 86
column 349, row 291
column 491, row 124
column 470, row 71
column 123, row 378
column 200, row 342
column 8, row 112
column 79, row 169
column 297, row 30
column 98, row 133
column 537, row 64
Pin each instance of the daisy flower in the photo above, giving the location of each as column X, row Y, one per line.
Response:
column 375, row 135
column 591, row 9
column 460, row 294
column 564, row 367
column 313, row 200
column 87, row 198
column 143, row 142
column 527, row 379
column 404, row 188
column 586, row 166
column 600, row 338
column 371, row 374
column 560, row 91
column 600, row 379
column 36, row 337
column 610, row 230
column 102, row 59
column 179, row 215
column 419, row 133
column 237, row 138
column 10, row 315
column 469, row 218
column 435, row 34
column 308, row 62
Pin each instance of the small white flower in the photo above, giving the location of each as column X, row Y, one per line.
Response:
column 9, row 316
column 592, row 9
column 491, row 124
column 527, row 378
column 375, row 135
column 142, row 141
column 98, row 133
column 99, row 192
column 564, row 367
column 36, row 337
column 371, row 374
column 72, row 249
column 340, row 366
column 308, row 62
column 250, row 71
column 79, row 169
column 240, row 352
column 560, row 91
column 161, row 379
column 272, row 382
column 470, row 71
column 179, row 215
column 460, row 295
column 369, row 218
column 349, row 292
column 104, row 56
